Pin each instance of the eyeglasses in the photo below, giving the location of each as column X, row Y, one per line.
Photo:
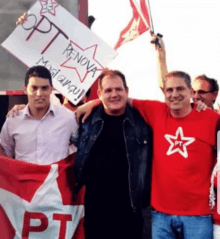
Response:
column 202, row 92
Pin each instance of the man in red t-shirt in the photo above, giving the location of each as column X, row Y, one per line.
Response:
column 184, row 150
column 183, row 158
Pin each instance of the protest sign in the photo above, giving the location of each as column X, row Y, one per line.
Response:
column 52, row 37
column 37, row 201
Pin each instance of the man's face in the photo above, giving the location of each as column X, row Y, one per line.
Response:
column 201, row 92
column 177, row 94
column 38, row 91
column 113, row 95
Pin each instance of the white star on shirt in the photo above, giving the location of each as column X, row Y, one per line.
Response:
column 133, row 32
column 178, row 143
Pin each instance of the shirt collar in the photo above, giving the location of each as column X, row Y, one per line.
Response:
column 99, row 113
column 51, row 110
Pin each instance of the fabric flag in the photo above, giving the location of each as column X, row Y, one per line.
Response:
column 36, row 201
column 137, row 25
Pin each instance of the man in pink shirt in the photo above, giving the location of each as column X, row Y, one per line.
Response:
column 41, row 132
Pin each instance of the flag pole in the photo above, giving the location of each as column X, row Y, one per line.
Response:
column 151, row 19
column 141, row 14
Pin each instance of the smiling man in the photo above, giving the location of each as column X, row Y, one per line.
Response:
column 114, row 163
column 34, row 135
column 184, row 154
column 205, row 89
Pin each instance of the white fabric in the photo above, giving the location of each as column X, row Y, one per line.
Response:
column 42, row 141
column 216, row 231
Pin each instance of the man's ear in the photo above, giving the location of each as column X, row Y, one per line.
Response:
column 99, row 93
column 215, row 93
column 24, row 88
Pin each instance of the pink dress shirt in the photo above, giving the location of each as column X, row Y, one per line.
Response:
column 42, row 141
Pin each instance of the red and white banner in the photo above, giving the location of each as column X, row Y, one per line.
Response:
column 139, row 23
column 37, row 201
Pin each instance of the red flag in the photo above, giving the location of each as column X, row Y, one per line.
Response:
column 36, row 201
column 136, row 26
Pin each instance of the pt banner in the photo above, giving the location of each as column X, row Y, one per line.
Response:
column 36, row 201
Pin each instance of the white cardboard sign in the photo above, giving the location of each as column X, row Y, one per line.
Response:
column 52, row 37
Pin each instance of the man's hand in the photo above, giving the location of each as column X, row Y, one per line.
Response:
column 200, row 106
column 159, row 45
column 15, row 110
column 22, row 19
column 86, row 109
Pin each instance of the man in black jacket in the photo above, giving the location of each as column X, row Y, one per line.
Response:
column 114, row 163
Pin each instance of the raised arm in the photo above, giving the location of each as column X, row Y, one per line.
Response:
column 22, row 18
column 161, row 56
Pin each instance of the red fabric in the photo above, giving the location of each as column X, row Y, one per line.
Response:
column 7, row 229
column 136, row 26
column 180, row 185
column 12, row 173
column 39, row 192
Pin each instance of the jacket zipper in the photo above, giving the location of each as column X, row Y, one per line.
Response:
column 129, row 168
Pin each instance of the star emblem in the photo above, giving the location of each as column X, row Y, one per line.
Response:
column 47, row 207
column 82, row 60
column 178, row 143
column 133, row 32
column 48, row 6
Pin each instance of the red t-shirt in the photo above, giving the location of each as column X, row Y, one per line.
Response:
column 183, row 158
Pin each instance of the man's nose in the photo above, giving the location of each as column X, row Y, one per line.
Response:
column 196, row 95
column 175, row 93
column 39, row 91
column 114, row 93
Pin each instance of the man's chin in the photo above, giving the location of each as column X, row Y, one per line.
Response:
column 41, row 106
column 175, row 107
column 116, row 110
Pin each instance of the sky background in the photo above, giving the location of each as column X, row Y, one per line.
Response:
column 191, row 32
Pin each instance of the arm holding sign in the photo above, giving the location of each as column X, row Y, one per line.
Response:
column 161, row 56
column 22, row 19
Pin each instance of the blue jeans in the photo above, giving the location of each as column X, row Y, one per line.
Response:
column 166, row 226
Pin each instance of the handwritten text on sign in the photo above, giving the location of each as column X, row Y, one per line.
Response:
column 52, row 37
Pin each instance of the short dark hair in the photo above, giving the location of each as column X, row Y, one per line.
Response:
column 213, row 84
column 38, row 71
column 182, row 75
column 111, row 73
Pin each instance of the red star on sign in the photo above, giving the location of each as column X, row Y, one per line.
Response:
column 178, row 143
column 82, row 60
column 48, row 6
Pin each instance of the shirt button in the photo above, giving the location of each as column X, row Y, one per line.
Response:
column 145, row 141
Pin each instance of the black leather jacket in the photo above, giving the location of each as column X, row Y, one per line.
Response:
column 138, row 140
